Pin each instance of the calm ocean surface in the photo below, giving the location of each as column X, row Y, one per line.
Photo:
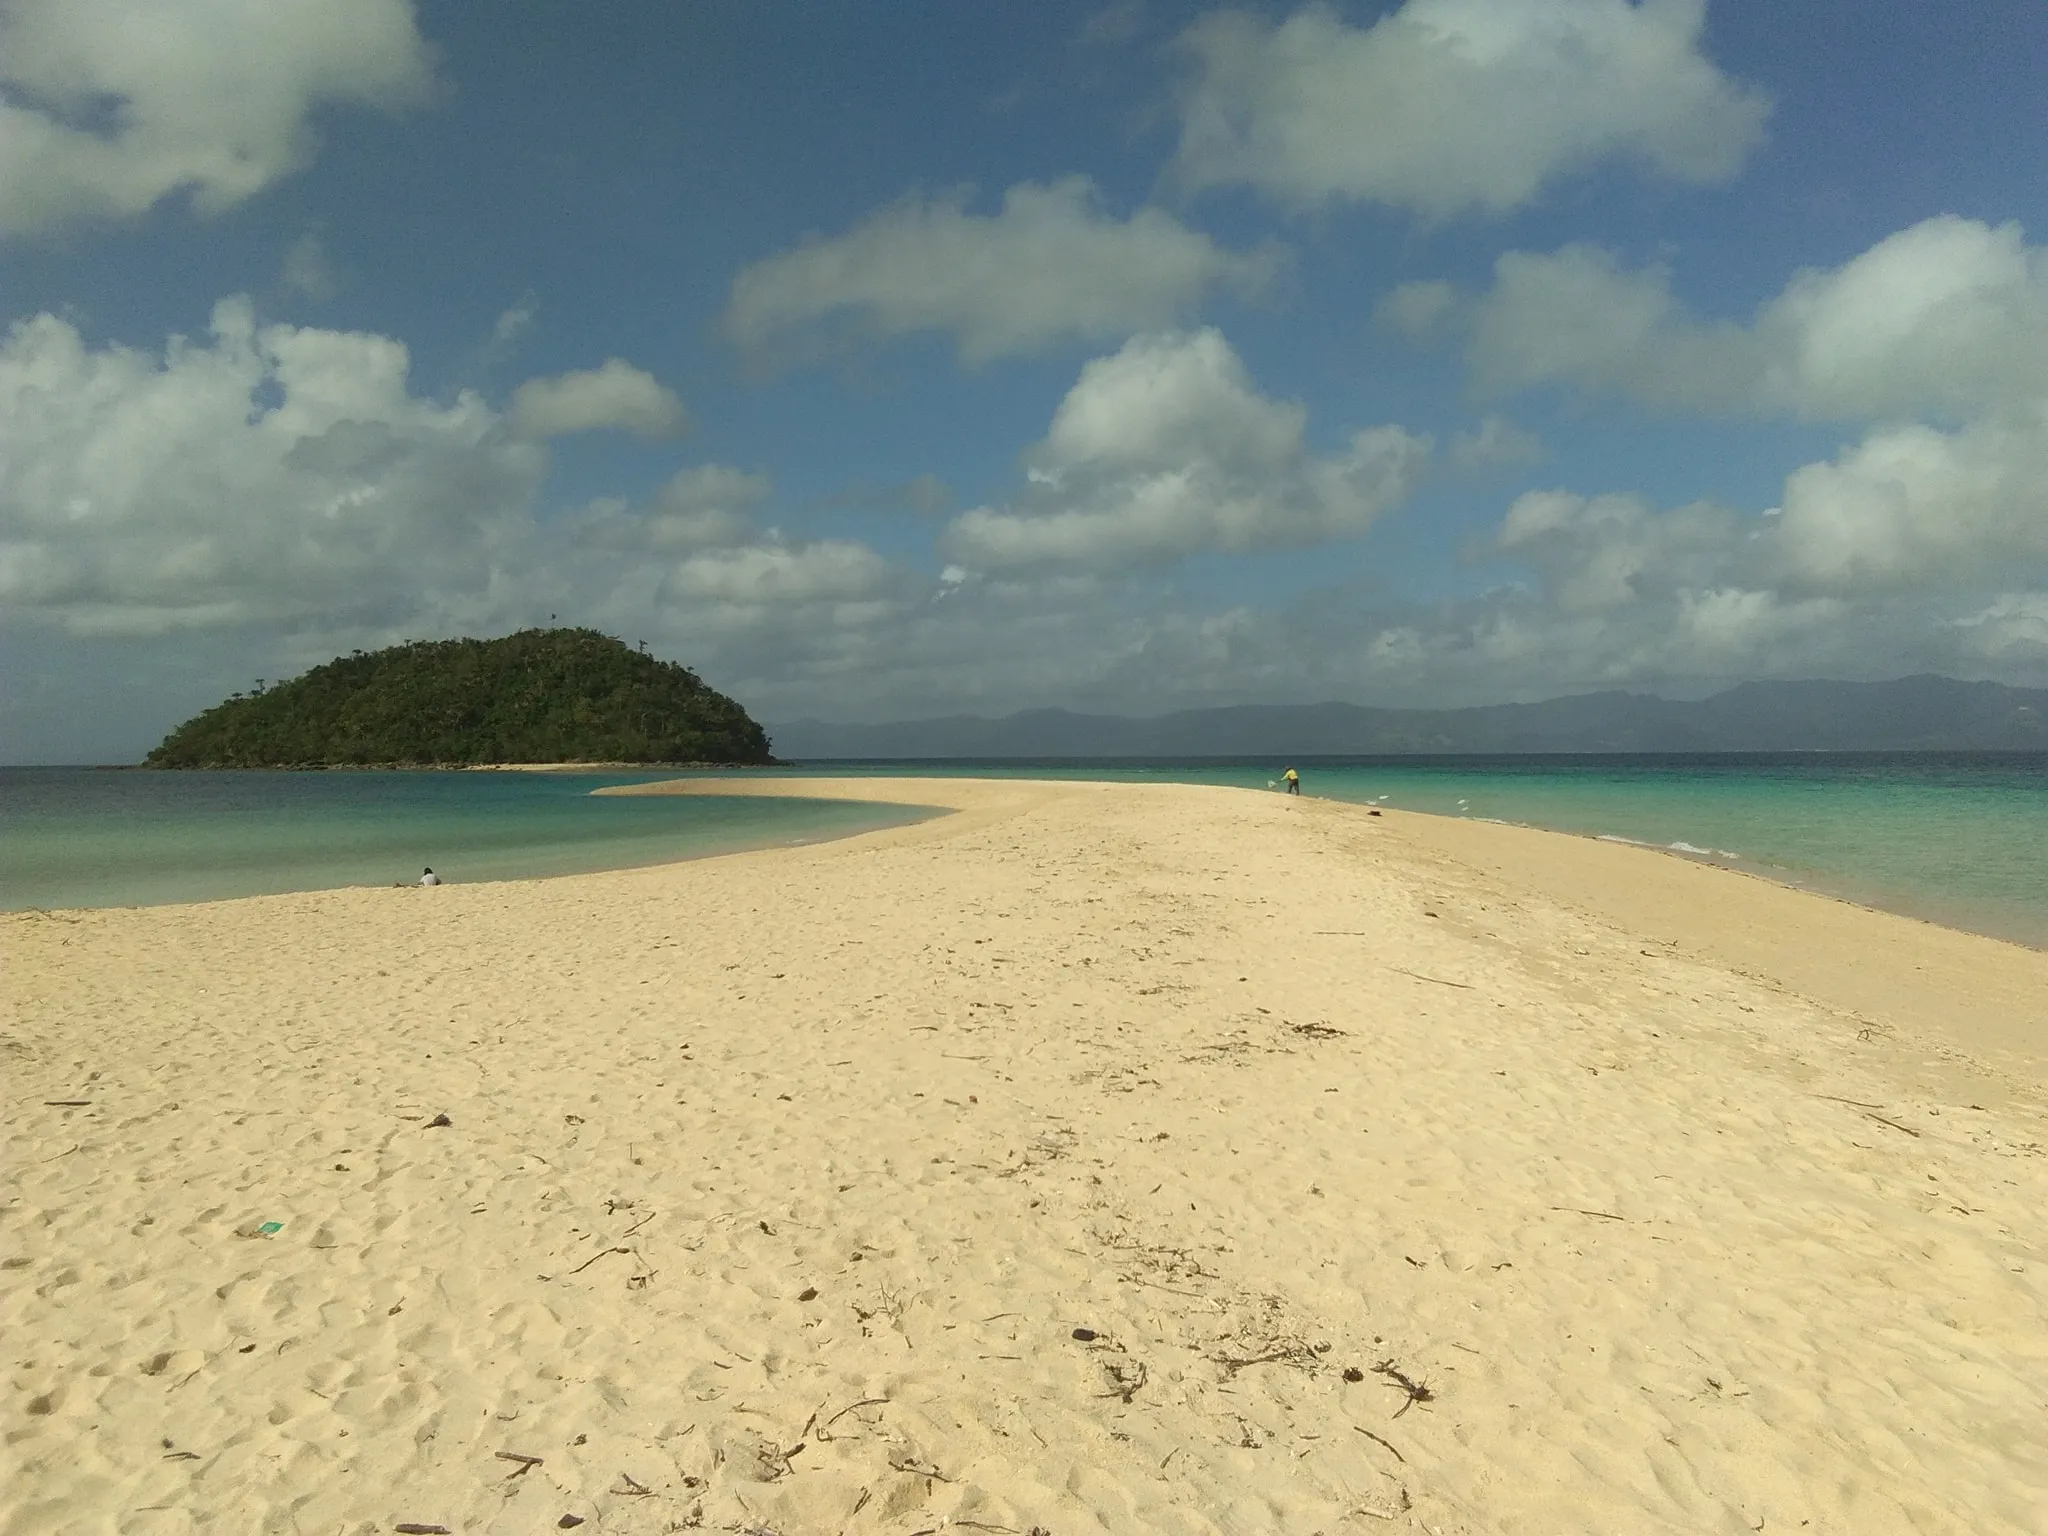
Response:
column 82, row 837
column 1960, row 838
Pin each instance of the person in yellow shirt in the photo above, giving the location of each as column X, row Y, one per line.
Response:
column 1293, row 781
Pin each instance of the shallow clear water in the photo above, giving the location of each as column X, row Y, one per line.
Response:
column 74, row 837
column 1960, row 838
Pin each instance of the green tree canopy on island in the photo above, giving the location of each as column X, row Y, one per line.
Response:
column 540, row 696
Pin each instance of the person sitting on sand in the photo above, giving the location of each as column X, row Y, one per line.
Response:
column 1293, row 780
column 430, row 878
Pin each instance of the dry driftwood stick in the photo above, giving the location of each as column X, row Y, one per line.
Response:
column 602, row 1253
column 1463, row 985
column 1378, row 1441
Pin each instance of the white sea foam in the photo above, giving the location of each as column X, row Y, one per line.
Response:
column 1706, row 853
column 1680, row 846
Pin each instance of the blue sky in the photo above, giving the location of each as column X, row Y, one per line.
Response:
column 884, row 361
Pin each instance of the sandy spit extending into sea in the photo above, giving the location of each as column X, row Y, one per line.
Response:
column 1100, row 1157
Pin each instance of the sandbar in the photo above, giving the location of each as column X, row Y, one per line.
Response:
column 1094, row 1157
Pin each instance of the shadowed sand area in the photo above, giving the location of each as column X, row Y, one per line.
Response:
column 1398, row 1174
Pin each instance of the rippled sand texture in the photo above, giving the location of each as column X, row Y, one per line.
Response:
column 1103, row 1157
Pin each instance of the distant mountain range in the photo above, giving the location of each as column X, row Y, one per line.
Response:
column 1912, row 713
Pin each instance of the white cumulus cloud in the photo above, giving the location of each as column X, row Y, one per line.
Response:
column 1445, row 107
column 1910, row 551
column 774, row 573
column 1164, row 449
column 108, row 106
column 273, row 479
column 1911, row 507
column 1924, row 541
column 262, row 474
column 706, row 506
column 1051, row 265
column 1948, row 317
column 616, row 397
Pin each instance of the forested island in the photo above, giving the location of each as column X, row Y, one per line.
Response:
column 539, row 696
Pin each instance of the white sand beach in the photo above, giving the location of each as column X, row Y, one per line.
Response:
column 1098, row 1157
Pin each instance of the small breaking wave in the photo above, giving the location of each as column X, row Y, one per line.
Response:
column 1680, row 846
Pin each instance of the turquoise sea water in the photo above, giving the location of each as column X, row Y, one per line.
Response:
column 74, row 837
column 1960, row 838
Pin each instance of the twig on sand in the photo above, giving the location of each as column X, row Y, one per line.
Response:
column 1461, row 985
column 1880, row 1119
column 1387, row 1443
column 526, row 1463
column 1836, row 1098
column 602, row 1253
column 1233, row 1363
column 825, row 1429
column 1581, row 1211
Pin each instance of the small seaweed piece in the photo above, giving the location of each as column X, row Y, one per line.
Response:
column 1418, row 1391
